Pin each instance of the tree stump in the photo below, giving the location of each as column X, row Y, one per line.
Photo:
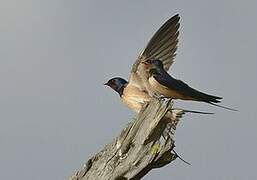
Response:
column 144, row 144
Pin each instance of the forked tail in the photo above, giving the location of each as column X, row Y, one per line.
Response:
column 224, row 107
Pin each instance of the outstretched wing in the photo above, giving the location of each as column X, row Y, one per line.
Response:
column 162, row 46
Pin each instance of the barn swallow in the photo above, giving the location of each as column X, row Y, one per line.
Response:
column 163, row 45
column 163, row 84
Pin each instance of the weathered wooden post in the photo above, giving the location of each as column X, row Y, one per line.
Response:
column 143, row 145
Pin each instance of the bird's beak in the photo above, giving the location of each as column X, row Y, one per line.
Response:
column 106, row 84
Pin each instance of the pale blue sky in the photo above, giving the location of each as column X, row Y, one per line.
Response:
column 55, row 56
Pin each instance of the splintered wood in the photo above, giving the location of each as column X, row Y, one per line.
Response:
column 144, row 144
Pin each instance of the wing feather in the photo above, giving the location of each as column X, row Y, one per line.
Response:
column 166, row 38
column 162, row 46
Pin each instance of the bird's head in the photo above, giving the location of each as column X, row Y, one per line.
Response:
column 153, row 66
column 117, row 84
column 156, row 63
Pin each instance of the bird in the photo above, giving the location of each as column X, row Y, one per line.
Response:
column 164, row 85
column 137, row 90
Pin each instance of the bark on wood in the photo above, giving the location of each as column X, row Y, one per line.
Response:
column 145, row 144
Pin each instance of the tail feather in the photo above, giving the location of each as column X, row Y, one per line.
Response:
column 197, row 112
column 207, row 98
column 224, row 107
column 212, row 100
column 191, row 111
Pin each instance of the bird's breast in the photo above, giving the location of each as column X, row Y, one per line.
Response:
column 134, row 98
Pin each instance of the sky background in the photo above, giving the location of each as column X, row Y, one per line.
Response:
column 55, row 56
